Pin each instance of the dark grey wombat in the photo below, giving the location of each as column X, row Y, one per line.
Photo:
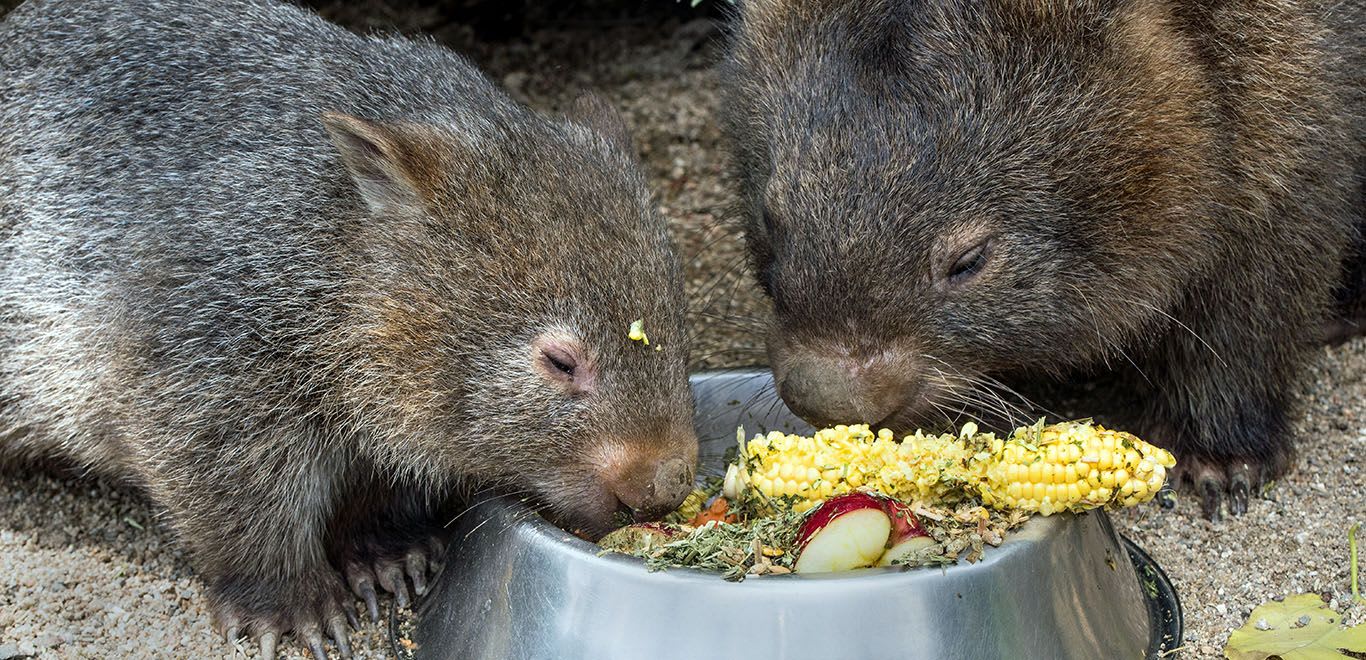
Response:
column 941, row 195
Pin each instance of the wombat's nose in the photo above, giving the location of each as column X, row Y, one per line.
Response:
column 651, row 494
column 826, row 391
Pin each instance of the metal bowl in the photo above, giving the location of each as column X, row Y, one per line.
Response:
column 516, row 587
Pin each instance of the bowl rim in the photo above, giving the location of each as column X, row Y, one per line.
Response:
column 535, row 524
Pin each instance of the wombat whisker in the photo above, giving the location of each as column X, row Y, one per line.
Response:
column 736, row 281
column 949, row 419
column 976, row 384
column 1029, row 404
column 496, row 493
column 474, row 529
column 1179, row 324
column 1095, row 323
column 730, row 353
column 1024, row 408
column 722, row 236
column 967, row 397
column 729, row 270
column 768, row 390
column 734, row 320
column 967, row 394
column 1107, row 344
column 986, row 383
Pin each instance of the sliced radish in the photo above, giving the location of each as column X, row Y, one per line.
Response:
column 908, row 535
column 846, row 532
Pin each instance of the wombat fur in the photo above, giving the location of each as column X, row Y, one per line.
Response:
column 299, row 285
column 945, row 197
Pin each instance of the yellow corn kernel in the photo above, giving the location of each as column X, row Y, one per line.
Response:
column 637, row 332
column 1070, row 466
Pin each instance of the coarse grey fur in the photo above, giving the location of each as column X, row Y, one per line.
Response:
column 298, row 334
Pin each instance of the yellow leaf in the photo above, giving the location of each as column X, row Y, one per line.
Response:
column 1299, row 628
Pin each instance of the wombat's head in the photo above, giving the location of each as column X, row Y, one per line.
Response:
column 936, row 192
column 501, row 266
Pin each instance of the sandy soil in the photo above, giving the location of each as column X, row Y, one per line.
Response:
column 86, row 570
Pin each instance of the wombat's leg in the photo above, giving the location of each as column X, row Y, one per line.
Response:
column 390, row 538
column 1349, row 319
column 1218, row 396
column 256, row 535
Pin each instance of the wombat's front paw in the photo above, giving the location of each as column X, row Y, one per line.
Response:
column 1213, row 479
column 265, row 613
column 386, row 564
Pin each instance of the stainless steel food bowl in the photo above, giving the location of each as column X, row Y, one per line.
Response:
column 517, row 587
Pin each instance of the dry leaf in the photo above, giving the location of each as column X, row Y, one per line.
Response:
column 1299, row 628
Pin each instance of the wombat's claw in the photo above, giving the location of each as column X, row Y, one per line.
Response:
column 314, row 640
column 416, row 563
column 390, row 574
column 307, row 618
column 436, row 555
column 1210, row 498
column 419, row 563
column 1218, row 480
column 336, row 628
column 1238, row 492
column 362, row 581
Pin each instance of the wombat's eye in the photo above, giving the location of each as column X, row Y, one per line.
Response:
column 969, row 263
column 559, row 362
column 561, row 359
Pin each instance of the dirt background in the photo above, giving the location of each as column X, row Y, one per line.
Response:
column 86, row 570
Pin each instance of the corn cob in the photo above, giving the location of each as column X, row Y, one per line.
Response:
column 804, row 471
column 1063, row 467
column 1072, row 467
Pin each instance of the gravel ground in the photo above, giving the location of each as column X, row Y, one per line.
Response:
column 86, row 570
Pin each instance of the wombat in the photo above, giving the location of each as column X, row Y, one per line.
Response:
column 943, row 197
column 300, row 285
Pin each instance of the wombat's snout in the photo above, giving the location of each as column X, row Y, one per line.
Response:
column 826, row 389
column 652, row 487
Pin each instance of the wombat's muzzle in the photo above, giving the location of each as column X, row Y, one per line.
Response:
column 666, row 491
column 826, row 390
column 651, row 487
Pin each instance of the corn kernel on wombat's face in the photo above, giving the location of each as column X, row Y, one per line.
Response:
column 930, row 196
column 528, row 378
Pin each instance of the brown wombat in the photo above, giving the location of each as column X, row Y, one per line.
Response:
column 943, row 196
column 299, row 285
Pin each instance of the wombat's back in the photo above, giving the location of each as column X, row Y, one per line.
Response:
column 168, row 196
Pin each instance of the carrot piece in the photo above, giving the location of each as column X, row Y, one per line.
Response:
column 718, row 511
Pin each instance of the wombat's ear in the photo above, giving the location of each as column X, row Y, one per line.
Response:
column 393, row 166
column 596, row 113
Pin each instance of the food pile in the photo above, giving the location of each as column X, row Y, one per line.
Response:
column 847, row 497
